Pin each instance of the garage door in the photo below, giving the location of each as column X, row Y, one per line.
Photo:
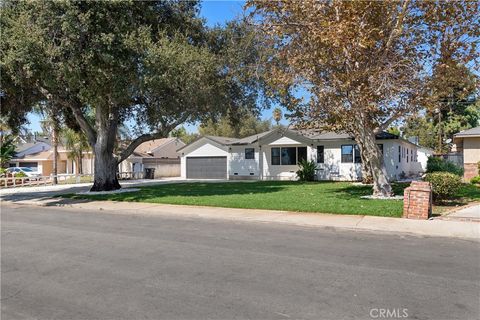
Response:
column 207, row 168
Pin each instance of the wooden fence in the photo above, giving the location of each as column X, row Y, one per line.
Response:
column 11, row 182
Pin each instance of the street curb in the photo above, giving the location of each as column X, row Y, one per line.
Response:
column 396, row 226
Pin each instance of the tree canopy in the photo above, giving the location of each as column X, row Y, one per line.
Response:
column 364, row 64
column 150, row 65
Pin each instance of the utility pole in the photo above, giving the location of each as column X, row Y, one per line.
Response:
column 440, row 142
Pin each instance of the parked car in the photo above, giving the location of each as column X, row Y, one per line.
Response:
column 29, row 172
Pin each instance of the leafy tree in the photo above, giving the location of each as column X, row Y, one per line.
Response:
column 451, row 105
column 182, row 134
column 151, row 64
column 245, row 127
column 364, row 64
column 7, row 149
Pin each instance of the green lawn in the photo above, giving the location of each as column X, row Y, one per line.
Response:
column 468, row 193
column 326, row 197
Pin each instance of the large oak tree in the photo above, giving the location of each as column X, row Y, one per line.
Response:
column 149, row 65
column 364, row 64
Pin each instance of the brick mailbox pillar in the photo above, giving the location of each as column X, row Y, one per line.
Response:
column 417, row 201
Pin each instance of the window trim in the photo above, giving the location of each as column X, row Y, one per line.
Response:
column 279, row 156
column 252, row 151
column 323, row 154
column 306, row 153
column 295, row 161
column 357, row 158
column 341, row 153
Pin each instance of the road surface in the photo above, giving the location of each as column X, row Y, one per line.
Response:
column 61, row 263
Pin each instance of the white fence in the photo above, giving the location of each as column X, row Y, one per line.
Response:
column 12, row 182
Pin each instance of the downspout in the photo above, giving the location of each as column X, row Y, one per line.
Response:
column 260, row 161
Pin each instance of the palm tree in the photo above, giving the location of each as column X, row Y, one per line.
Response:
column 277, row 115
column 76, row 143
column 51, row 125
column 7, row 149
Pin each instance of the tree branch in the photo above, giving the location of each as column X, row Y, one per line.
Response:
column 138, row 141
column 161, row 133
column 83, row 123
column 398, row 25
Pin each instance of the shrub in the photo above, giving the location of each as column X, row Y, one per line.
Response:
column 435, row 164
column 444, row 184
column 307, row 170
column 475, row 180
column 3, row 172
column 20, row 174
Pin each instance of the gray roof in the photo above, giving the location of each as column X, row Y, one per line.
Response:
column 222, row 140
column 308, row 133
column 474, row 132
column 253, row 138
column 24, row 146
column 323, row 135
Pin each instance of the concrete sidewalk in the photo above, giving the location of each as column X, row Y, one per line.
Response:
column 435, row 228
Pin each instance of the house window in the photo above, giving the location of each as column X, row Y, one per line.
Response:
column 347, row 153
column 249, row 153
column 357, row 156
column 411, row 155
column 399, row 154
column 320, row 154
column 407, row 155
column 302, row 154
column 275, row 156
column 289, row 156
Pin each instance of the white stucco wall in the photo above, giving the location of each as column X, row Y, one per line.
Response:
column 239, row 166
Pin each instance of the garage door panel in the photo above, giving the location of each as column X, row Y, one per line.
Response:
column 206, row 167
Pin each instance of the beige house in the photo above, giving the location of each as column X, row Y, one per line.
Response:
column 468, row 143
column 159, row 154
column 38, row 156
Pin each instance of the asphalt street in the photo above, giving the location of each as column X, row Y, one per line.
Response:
column 63, row 263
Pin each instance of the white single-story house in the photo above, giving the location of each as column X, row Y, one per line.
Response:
column 274, row 155
column 159, row 154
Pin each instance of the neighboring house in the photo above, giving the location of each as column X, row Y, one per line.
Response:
column 158, row 154
column 38, row 156
column 274, row 155
column 468, row 143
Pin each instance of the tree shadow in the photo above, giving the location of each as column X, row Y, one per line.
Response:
column 359, row 190
column 192, row 189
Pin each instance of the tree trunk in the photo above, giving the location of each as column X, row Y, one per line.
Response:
column 366, row 170
column 105, row 173
column 80, row 162
column 373, row 159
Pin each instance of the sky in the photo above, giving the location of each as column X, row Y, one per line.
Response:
column 214, row 12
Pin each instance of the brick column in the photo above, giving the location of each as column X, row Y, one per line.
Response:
column 417, row 201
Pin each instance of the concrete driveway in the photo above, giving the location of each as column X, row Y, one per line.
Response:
column 471, row 212
column 68, row 263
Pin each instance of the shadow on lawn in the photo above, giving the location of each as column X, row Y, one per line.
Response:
column 365, row 190
column 195, row 189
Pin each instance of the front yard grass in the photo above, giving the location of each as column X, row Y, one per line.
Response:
column 325, row 197
column 468, row 193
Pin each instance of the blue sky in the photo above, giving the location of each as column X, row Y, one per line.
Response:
column 214, row 12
